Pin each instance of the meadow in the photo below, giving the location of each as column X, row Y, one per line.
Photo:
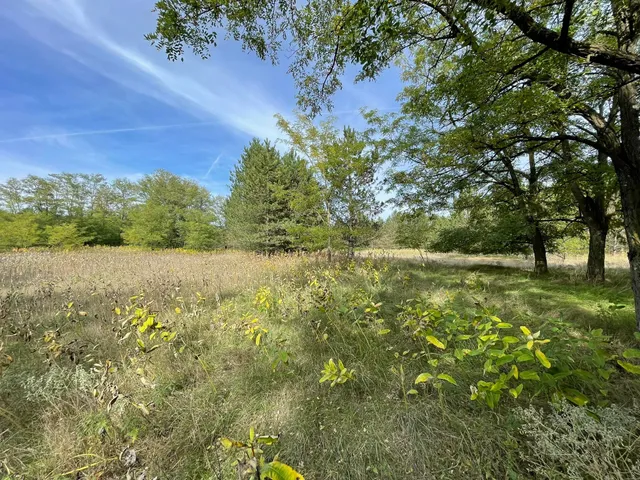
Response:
column 122, row 363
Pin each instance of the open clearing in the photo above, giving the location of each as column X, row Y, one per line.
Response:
column 242, row 341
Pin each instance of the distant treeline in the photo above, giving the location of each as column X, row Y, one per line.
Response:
column 278, row 202
column 162, row 210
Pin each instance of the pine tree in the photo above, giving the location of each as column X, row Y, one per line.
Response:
column 261, row 211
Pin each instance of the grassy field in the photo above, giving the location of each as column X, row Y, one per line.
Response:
column 164, row 353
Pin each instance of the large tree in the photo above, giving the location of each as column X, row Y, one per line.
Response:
column 330, row 35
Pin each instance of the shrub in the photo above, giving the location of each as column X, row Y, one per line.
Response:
column 66, row 236
column 560, row 362
column 19, row 231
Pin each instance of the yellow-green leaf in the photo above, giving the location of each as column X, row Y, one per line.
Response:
column 447, row 378
column 504, row 325
column 178, row 310
column 529, row 375
column 423, row 377
column 630, row 367
column 514, row 392
column 631, row 353
column 267, row 439
column 525, row 330
column 228, row 443
column 543, row 359
column 384, row 331
column 413, row 391
column 434, row 341
column 575, row 396
column 279, row 471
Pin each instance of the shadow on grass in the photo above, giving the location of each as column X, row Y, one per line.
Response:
column 514, row 292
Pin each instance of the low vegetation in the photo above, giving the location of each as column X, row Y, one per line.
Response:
column 117, row 362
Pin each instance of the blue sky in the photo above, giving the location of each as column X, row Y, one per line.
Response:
column 82, row 91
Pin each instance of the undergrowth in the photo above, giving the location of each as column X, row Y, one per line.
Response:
column 353, row 370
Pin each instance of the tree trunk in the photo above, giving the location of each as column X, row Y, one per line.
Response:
column 539, row 252
column 597, row 246
column 594, row 212
column 627, row 161
column 627, row 166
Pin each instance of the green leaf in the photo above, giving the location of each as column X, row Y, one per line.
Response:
column 575, row 396
column 630, row 367
column 279, row 471
column 504, row 359
column 515, row 392
column 413, row 391
column 605, row 373
column 542, row 358
column 631, row 353
column 492, row 399
column 504, row 325
column 525, row 356
column 228, row 443
column 637, row 335
column 252, row 434
column 140, row 344
column 529, row 375
column 434, row 341
column 447, row 378
column 423, row 377
column 509, row 339
column 384, row 331
column 267, row 439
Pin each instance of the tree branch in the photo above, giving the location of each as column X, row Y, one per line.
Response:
column 594, row 53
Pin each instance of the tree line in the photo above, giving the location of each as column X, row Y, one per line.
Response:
column 161, row 210
column 504, row 99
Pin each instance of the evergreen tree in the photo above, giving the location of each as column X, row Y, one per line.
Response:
column 260, row 213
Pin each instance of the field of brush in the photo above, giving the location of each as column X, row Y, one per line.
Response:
column 118, row 363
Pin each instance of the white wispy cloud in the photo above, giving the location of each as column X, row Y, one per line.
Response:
column 204, row 89
column 59, row 137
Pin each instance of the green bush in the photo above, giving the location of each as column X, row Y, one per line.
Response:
column 19, row 231
column 67, row 236
column 560, row 362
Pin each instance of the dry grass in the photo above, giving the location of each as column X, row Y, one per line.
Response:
column 214, row 381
